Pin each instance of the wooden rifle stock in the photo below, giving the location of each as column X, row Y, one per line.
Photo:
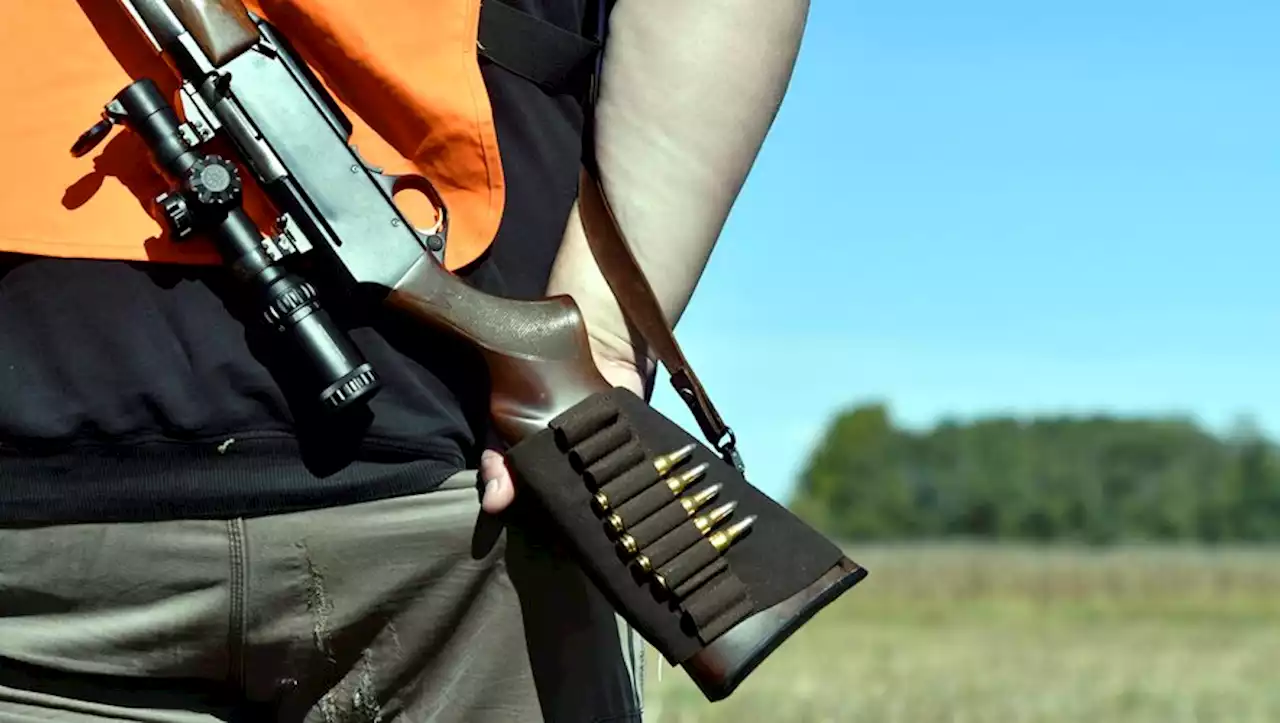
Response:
column 540, row 364
column 222, row 28
column 537, row 352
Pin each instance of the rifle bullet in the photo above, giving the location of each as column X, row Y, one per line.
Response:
column 675, row 484
column 714, row 517
column 703, row 523
column 692, row 503
column 696, row 558
column 684, row 479
column 723, row 538
column 668, row 462
column 640, row 477
column 662, row 523
column 653, row 499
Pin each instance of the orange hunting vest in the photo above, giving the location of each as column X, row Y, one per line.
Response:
column 410, row 66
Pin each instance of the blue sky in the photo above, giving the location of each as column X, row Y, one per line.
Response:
column 1003, row 206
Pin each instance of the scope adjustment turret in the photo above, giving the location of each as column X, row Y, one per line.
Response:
column 213, row 182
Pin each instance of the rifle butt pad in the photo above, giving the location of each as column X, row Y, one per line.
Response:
column 718, row 613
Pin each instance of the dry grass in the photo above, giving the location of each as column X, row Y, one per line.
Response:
column 978, row 634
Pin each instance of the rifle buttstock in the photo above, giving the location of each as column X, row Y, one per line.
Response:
column 222, row 28
column 537, row 352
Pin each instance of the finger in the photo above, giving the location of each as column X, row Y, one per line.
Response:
column 499, row 490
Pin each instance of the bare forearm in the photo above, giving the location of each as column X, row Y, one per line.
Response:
column 690, row 89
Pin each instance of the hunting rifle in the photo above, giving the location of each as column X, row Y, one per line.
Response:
column 239, row 79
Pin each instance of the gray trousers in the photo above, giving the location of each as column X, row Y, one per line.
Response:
column 417, row 608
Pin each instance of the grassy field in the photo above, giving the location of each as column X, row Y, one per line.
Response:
column 1002, row 634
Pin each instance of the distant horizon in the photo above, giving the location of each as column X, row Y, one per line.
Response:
column 1216, row 427
column 779, row 479
column 1003, row 208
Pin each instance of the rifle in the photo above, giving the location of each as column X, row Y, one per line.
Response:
column 716, row 612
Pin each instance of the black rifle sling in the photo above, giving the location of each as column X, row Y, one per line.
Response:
column 541, row 52
column 560, row 61
column 640, row 305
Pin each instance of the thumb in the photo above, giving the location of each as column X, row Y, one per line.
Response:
column 498, row 489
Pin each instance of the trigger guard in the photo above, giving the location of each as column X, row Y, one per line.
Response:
column 432, row 239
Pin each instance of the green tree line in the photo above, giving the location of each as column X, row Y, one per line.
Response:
column 1091, row 479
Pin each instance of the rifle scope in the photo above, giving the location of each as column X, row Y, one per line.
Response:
column 208, row 198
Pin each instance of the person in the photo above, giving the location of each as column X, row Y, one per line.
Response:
column 176, row 545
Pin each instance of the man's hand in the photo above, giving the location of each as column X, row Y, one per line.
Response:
column 619, row 369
